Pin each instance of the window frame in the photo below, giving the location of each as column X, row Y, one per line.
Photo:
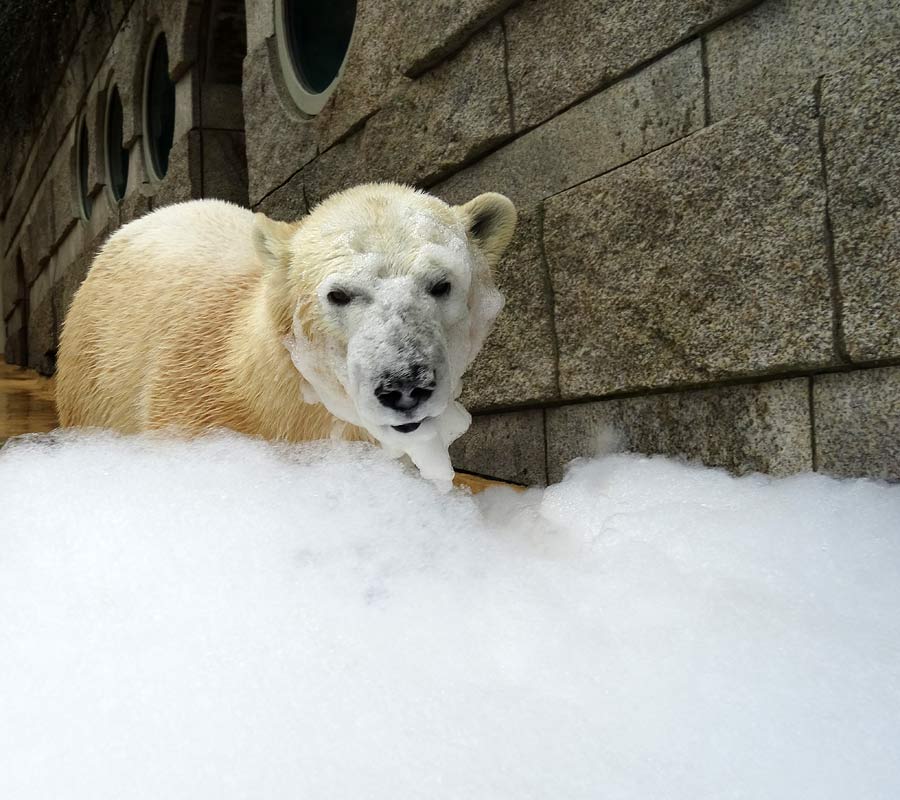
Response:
column 310, row 103
column 108, row 172
column 149, row 158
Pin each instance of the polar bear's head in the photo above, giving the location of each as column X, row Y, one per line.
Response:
column 390, row 296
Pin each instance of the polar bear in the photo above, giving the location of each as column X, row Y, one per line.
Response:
column 356, row 322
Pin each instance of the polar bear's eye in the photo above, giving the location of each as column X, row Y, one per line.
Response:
column 339, row 297
column 441, row 289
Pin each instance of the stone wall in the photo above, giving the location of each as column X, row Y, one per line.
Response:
column 709, row 194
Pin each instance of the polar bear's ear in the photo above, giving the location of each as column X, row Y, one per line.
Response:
column 271, row 240
column 490, row 220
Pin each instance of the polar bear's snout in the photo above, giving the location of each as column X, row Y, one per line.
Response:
column 400, row 373
column 404, row 391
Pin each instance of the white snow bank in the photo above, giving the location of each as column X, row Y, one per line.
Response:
column 229, row 619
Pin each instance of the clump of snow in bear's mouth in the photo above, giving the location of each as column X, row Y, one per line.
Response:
column 226, row 618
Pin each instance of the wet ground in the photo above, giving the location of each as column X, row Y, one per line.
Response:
column 26, row 402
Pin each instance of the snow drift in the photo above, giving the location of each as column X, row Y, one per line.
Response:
column 226, row 618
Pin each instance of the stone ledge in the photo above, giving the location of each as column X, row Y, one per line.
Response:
column 762, row 427
column 508, row 447
column 857, row 423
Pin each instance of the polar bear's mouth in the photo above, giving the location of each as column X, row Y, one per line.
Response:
column 409, row 427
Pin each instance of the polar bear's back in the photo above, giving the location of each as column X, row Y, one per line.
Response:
column 157, row 306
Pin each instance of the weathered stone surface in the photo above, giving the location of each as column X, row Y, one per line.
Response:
column 95, row 119
column 658, row 105
column 104, row 217
column 127, row 61
column 339, row 167
column 225, row 166
column 64, row 100
column 260, row 22
column 15, row 157
column 14, row 351
column 861, row 118
column 51, row 145
column 287, row 204
column 762, row 427
column 183, row 180
column 372, row 72
column 445, row 118
column 181, row 23
column 42, row 342
column 187, row 103
column 786, row 45
column 222, row 106
column 64, row 290
column 132, row 206
column 432, row 30
column 40, row 289
column 857, row 423
column 27, row 244
column 61, row 301
column 427, row 129
column 703, row 260
column 65, row 212
column 279, row 140
column 518, row 362
column 392, row 40
column 43, row 225
column 563, row 50
column 508, row 447
column 16, row 321
column 10, row 289
column 94, row 40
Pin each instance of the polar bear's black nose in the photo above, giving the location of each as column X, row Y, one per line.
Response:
column 403, row 393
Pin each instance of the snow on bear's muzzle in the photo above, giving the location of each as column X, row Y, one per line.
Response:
column 399, row 370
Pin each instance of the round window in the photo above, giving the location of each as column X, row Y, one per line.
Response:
column 84, row 157
column 116, row 154
column 313, row 39
column 159, row 109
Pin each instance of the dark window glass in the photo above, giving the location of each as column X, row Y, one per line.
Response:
column 160, row 108
column 318, row 33
column 117, row 155
column 83, row 162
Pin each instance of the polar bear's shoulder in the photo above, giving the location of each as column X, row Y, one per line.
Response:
column 200, row 230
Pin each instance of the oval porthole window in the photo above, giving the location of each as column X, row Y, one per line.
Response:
column 84, row 156
column 116, row 154
column 313, row 40
column 159, row 109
